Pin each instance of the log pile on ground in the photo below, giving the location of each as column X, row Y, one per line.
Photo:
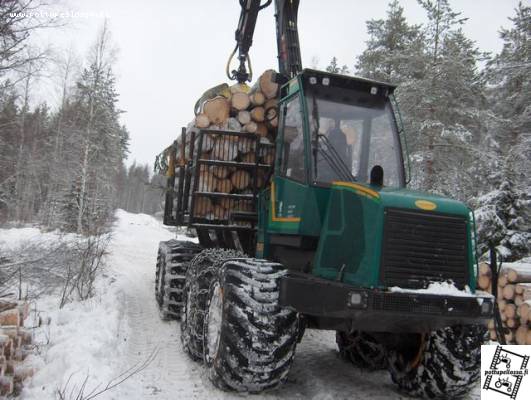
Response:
column 240, row 109
column 15, row 345
column 514, row 300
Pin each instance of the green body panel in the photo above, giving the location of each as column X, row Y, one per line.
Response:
column 346, row 217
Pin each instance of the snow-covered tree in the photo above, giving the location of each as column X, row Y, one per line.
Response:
column 334, row 67
column 440, row 93
column 504, row 214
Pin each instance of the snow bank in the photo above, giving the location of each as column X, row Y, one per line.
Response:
column 80, row 344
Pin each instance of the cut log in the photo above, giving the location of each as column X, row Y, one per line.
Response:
column 517, row 272
column 520, row 335
column 208, row 142
column 251, row 127
column 6, row 385
column 240, row 179
column 219, row 212
column 226, row 203
column 223, row 185
column 512, row 323
column 202, row 206
column 518, row 299
column 484, row 269
column 240, row 101
column 502, row 280
column 244, row 117
column 7, row 305
column 261, row 129
column 217, row 110
column 249, row 157
column 483, row 281
column 240, row 88
column 258, row 114
column 509, row 336
column 27, row 336
column 10, row 331
column 501, row 304
column 266, row 85
column 224, row 149
column 510, row 310
column 202, row 121
column 220, row 172
column 10, row 317
column 524, row 289
column 508, row 292
column 523, row 309
column 271, row 113
column 269, row 157
column 257, row 98
column 207, row 181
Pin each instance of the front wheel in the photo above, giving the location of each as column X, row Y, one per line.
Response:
column 444, row 364
column 248, row 339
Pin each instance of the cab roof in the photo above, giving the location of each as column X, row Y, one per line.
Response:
column 346, row 81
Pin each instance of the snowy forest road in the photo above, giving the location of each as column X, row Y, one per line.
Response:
column 317, row 372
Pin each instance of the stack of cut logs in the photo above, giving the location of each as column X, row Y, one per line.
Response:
column 514, row 300
column 15, row 342
column 238, row 108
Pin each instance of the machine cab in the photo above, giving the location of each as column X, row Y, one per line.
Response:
column 334, row 131
column 338, row 128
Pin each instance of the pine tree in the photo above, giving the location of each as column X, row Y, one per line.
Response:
column 395, row 49
column 334, row 67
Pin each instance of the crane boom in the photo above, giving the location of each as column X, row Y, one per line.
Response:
column 289, row 56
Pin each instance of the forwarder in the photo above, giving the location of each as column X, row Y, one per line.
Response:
column 335, row 241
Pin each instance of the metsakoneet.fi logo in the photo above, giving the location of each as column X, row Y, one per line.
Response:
column 505, row 373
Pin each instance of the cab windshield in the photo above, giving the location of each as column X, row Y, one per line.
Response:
column 350, row 136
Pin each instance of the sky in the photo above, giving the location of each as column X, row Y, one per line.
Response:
column 171, row 51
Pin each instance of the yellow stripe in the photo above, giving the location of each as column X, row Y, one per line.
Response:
column 274, row 217
column 360, row 189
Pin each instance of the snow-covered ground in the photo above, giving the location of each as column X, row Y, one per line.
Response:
column 97, row 340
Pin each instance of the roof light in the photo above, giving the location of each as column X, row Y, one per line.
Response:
column 326, row 81
column 374, row 90
column 313, row 80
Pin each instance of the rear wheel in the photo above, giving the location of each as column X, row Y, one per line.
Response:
column 443, row 364
column 199, row 276
column 173, row 259
column 248, row 339
column 361, row 349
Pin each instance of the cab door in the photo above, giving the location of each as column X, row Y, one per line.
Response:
column 290, row 183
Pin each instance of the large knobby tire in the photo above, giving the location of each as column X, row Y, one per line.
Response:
column 446, row 366
column 249, row 340
column 199, row 276
column 361, row 349
column 173, row 259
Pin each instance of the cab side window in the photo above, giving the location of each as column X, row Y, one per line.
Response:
column 292, row 163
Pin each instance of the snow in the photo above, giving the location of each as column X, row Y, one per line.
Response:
column 439, row 288
column 99, row 339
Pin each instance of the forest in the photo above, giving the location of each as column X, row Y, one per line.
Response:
column 466, row 114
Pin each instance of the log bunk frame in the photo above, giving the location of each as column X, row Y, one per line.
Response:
column 186, row 186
